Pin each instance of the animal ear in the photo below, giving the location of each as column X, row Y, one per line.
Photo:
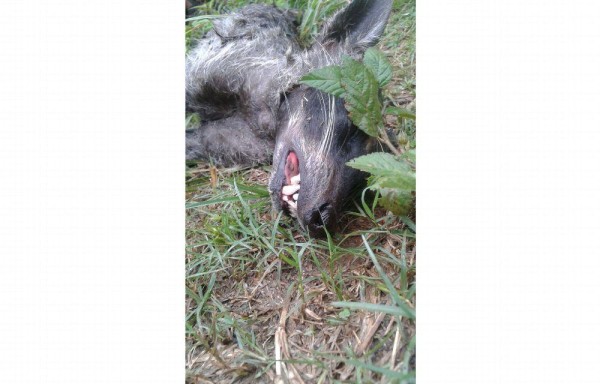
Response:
column 360, row 24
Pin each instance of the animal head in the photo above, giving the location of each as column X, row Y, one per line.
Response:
column 315, row 137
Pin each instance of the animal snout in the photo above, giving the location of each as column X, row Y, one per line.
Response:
column 319, row 218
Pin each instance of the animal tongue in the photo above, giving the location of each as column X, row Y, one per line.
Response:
column 291, row 167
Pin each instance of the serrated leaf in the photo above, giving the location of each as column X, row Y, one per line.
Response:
column 376, row 61
column 361, row 96
column 392, row 176
column 326, row 79
column 381, row 164
column 397, row 201
column 404, row 181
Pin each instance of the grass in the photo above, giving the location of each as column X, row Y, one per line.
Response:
column 266, row 303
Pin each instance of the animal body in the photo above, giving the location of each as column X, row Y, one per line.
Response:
column 242, row 79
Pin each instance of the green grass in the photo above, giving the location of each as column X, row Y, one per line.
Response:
column 263, row 298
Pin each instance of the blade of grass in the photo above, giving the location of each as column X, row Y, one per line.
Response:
column 395, row 296
column 369, row 307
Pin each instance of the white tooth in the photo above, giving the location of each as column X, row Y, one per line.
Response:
column 295, row 179
column 286, row 198
column 290, row 189
column 295, row 196
column 293, row 205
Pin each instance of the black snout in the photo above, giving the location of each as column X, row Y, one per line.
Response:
column 319, row 218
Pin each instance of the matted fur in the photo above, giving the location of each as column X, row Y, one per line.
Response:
column 242, row 78
column 234, row 77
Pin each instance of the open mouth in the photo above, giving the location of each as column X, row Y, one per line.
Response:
column 291, row 189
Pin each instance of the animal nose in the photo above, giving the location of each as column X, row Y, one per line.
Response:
column 319, row 218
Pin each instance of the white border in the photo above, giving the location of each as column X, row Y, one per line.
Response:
column 92, row 165
column 92, row 229
column 508, row 192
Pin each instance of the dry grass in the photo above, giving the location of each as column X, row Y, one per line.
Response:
column 265, row 303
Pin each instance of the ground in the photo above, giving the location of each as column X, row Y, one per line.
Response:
column 266, row 303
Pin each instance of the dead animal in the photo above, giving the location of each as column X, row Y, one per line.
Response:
column 242, row 79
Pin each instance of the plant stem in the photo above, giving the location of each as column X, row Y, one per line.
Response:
column 386, row 140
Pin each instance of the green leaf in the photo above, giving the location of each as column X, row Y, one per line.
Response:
column 376, row 61
column 326, row 79
column 400, row 112
column 369, row 307
column 392, row 176
column 362, row 96
column 395, row 200
column 381, row 164
column 357, row 84
column 401, row 181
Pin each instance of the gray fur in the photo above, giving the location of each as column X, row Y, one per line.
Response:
column 242, row 78
column 234, row 78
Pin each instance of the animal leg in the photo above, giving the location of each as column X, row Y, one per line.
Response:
column 228, row 142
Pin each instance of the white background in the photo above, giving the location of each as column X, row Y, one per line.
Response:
column 92, row 172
